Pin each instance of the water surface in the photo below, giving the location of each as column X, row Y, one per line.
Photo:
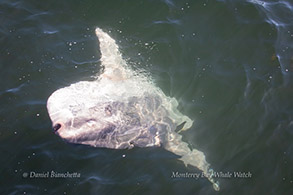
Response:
column 228, row 63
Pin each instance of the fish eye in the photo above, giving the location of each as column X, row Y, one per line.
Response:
column 57, row 127
column 108, row 110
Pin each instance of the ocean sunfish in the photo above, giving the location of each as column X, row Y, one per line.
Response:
column 122, row 109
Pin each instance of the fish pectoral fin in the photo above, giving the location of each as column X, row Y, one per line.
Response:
column 188, row 123
column 184, row 124
column 180, row 127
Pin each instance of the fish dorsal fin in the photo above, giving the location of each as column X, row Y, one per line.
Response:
column 111, row 58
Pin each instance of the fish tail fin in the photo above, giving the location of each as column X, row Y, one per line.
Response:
column 191, row 157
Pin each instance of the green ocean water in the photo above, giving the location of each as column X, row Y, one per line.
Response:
column 228, row 63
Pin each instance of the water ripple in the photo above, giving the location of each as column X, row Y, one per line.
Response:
column 50, row 31
column 280, row 15
column 168, row 21
column 14, row 90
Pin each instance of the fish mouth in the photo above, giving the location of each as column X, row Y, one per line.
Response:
column 57, row 127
